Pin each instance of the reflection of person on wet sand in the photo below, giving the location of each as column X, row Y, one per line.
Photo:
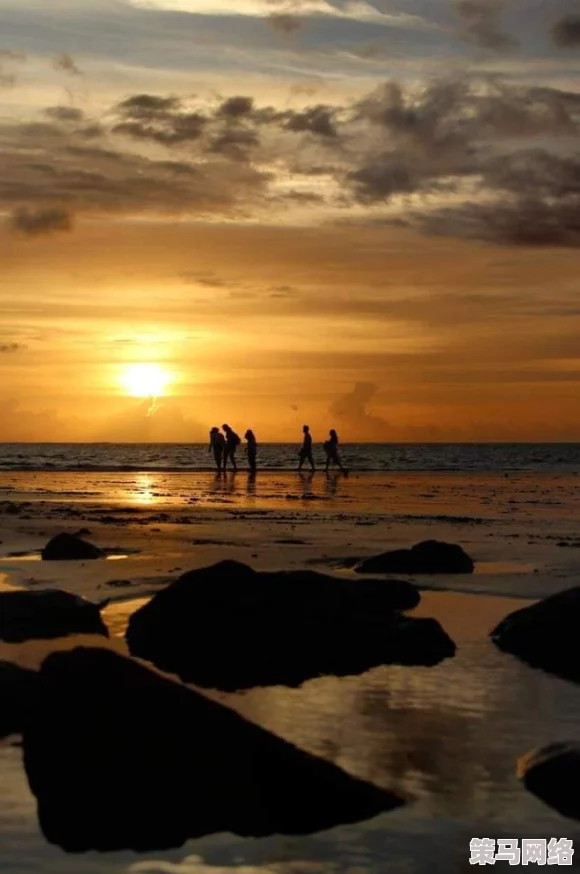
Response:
column 232, row 443
column 305, row 453
column 331, row 450
column 251, row 449
column 217, row 444
column 331, row 484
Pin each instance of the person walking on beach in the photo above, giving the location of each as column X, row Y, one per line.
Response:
column 331, row 450
column 232, row 443
column 305, row 453
column 217, row 445
column 251, row 449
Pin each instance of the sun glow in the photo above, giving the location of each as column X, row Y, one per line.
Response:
column 145, row 380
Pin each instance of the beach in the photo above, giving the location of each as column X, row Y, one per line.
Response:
column 447, row 736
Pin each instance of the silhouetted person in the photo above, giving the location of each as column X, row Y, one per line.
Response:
column 232, row 443
column 251, row 449
column 217, row 445
column 305, row 453
column 331, row 449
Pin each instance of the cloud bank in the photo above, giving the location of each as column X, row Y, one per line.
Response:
column 481, row 157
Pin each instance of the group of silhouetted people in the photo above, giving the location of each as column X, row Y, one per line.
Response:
column 224, row 444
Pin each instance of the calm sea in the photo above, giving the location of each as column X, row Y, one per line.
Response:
column 544, row 457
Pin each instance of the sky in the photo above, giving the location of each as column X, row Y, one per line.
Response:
column 351, row 214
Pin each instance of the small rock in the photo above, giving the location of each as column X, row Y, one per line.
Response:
column 428, row 557
column 47, row 614
column 545, row 634
column 69, row 547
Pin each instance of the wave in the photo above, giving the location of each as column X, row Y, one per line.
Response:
column 281, row 458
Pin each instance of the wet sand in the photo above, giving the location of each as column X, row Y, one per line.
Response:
column 449, row 736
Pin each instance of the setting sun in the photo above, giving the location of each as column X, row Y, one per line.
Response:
column 145, row 380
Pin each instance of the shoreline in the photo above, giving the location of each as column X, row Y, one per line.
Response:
column 520, row 530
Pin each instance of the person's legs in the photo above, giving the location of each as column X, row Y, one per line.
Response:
column 233, row 459
column 311, row 460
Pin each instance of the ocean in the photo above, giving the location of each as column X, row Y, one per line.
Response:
column 176, row 457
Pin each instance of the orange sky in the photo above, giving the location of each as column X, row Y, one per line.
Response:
column 360, row 216
column 269, row 327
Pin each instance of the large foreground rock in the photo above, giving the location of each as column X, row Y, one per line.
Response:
column 45, row 615
column 428, row 557
column 545, row 634
column 552, row 773
column 17, row 686
column 120, row 757
column 70, row 547
column 229, row 627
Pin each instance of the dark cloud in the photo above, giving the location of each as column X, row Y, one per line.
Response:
column 457, row 131
column 35, row 222
column 64, row 113
column 10, row 347
column 66, row 64
column 183, row 128
column 518, row 221
column 144, row 107
column 480, row 24
column 535, row 173
column 236, row 107
column 285, row 23
column 482, row 139
column 315, row 120
column 566, row 32
column 235, row 144
column 162, row 119
column 44, row 164
column 384, row 177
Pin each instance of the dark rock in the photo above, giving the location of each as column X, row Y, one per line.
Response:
column 17, row 686
column 121, row 758
column 552, row 773
column 229, row 627
column 545, row 634
column 69, row 547
column 47, row 614
column 428, row 557
column 10, row 508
